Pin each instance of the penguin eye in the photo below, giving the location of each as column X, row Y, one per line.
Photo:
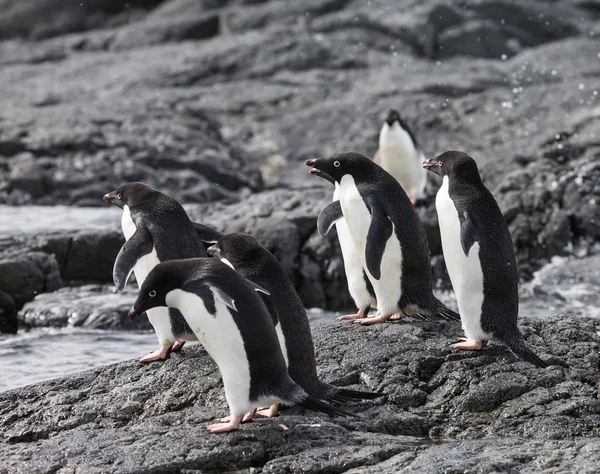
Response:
column 118, row 196
column 440, row 164
column 152, row 293
column 336, row 164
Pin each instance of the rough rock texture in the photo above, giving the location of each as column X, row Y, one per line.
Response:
column 443, row 411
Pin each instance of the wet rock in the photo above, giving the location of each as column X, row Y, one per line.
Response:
column 8, row 314
column 89, row 306
column 484, row 407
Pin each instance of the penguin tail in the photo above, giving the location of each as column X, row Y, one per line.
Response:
column 347, row 395
column 315, row 404
column 519, row 347
column 435, row 309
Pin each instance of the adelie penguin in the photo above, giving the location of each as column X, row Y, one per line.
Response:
column 255, row 263
column 479, row 255
column 400, row 155
column 235, row 327
column 387, row 234
column 156, row 229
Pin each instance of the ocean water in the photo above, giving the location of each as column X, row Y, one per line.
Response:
column 566, row 285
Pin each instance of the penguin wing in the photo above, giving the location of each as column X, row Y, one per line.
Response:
column 329, row 216
column 141, row 243
column 380, row 230
column 209, row 291
column 207, row 234
column 468, row 232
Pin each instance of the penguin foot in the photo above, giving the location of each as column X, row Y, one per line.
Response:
column 231, row 425
column 362, row 313
column 466, row 344
column 246, row 418
column 378, row 318
column 159, row 354
column 396, row 316
column 269, row 412
column 177, row 346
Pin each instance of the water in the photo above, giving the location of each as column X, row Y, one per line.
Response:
column 565, row 285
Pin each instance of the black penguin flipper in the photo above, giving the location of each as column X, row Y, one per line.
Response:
column 380, row 231
column 141, row 243
column 315, row 404
column 519, row 347
column 207, row 234
column 329, row 216
column 468, row 232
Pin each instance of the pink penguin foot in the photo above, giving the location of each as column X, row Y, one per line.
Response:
column 178, row 346
column 362, row 313
column 466, row 344
column 378, row 318
column 246, row 418
column 396, row 316
column 159, row 354
column 231, row 425
column 269, row 412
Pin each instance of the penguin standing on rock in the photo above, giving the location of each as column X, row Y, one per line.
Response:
column 235, row 327
column 387, row 234
column 255, row 263
column 400, row 155
column 156, row 229
column 479, row 255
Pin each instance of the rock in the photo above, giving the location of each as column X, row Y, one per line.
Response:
column 487, row 409
column 89, row 306
column 8, row 314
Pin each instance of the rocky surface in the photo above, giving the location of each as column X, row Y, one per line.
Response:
column 442, row 411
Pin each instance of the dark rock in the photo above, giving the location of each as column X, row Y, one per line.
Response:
column 90, row 306
column 8, row 314
column 484, row 410
column 91, row 256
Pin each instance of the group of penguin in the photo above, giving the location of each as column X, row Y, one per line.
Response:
column 231, row 294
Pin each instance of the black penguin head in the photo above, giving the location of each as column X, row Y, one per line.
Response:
column 130, row 194
column 335, row 167
column 454, row 164
column 392, row 116
column 236, row 249
column 163, row 278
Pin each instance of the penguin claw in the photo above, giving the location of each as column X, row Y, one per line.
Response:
column 246, row 418
column 223, row 427
column 466, row 344
column 159, row 354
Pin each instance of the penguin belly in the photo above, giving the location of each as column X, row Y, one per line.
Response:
column 465, row 272
column 353, row 266
column 158, row 317
column 388, row 288
column 221, row 337
column 402, row 160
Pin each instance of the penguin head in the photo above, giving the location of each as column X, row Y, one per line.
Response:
column 335, row 167
column 454, row 164
column 392, row 117
column 130, row 194
column 163, row 279
column 237, row 249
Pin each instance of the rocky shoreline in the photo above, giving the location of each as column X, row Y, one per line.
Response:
column 442, row 410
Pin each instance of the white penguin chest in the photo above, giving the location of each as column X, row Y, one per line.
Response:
column 147, row 262
column 465, row 271
column 388, row 288
column 221, row 337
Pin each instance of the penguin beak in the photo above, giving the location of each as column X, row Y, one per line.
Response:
column 107, row 197
column 214, row 251
column 111, row 198
column 133, row 313
column 433, row 165
column 318, row 172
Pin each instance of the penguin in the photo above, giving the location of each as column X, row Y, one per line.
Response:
column 255, row 263
column 387, row 234
column 479, row 255
column 400, row 155
column 235, row 327
column 156, row 229
column 359, row 286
